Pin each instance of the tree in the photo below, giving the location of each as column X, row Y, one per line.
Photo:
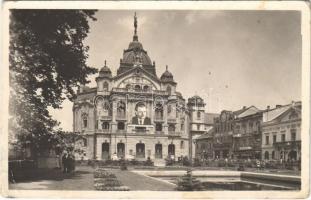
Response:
column 47, row 61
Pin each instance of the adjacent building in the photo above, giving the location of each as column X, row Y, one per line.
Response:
column 281, row 133
column 247, row 134
column 223, row 134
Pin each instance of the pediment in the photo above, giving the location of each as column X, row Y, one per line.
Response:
column 290, row 114
column 137, row 75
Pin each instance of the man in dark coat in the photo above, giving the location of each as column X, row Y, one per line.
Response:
column 65, row 162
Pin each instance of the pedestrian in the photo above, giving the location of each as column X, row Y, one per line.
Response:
column 65, row 162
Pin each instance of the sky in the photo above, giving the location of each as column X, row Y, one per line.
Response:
column 229, row 58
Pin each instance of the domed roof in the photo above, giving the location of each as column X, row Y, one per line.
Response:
column 197, row 100
column 167, row 76
column 105, row 72
column 129, row 57
column 135, row 45
column 135, row 54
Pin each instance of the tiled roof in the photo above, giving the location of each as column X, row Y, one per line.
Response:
column 272, row 114
column 249, row 111
column 206, row 135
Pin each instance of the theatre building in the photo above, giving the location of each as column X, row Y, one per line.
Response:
column 134, row 113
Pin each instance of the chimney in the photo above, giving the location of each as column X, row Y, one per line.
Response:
column 244, row 107
column 268, row 107
column 278, row 106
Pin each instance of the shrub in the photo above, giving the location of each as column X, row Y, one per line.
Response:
column 189, row 183
column 148, row 162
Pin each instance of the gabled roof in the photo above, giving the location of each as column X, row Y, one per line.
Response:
column 273, row 114
column 153, row 77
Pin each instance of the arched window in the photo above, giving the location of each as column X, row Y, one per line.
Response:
column 137, row 87
column 169, row 90
column 121, row 109
column 146, row 88
column 158, row 111
column 128, row 86
column 105, row 86
column 84, row 120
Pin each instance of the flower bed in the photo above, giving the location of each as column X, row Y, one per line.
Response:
column 107, row 181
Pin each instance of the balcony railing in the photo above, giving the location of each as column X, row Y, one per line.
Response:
column 125, row 90
column 139, row 129
column 173, row 133
column 287, row 144
column 171, row 120
column 103, row 131
column 106, row 118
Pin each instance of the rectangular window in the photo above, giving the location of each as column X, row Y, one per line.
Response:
column 267, row 139
column 198, row 127
column 283, row 137
column 274, row 138
column 293, row 135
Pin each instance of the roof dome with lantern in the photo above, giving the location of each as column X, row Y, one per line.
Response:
column 196, row 100
column 167, row 76
column 105, row 72
column 135, row 50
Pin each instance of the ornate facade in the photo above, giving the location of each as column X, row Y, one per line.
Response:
column 134, row 114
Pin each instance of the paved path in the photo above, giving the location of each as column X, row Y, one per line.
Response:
column 82, row 179
column 140, row 182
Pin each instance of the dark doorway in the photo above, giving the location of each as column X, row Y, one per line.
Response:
column 140, row 150
column 121, row 150
column 171, row 150
column 158, row 151
column 105, row 151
